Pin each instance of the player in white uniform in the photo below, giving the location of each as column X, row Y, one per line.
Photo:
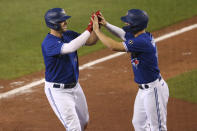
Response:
column 62, row 88
column 150, row 108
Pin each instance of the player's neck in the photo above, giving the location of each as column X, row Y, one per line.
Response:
column 56, row 33
column 139, row 33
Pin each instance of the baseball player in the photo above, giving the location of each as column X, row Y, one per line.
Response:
column 150, row 108
column 62, row 88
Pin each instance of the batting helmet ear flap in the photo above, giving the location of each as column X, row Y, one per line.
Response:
column 53, row 26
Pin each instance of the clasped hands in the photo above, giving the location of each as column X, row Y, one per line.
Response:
column 96, row 21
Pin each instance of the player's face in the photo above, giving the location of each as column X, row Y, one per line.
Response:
column 63, row 26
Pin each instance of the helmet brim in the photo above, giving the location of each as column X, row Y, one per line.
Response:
column 124, row 19
column 64, row 18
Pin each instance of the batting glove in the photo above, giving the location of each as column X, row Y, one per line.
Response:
column 90, row 25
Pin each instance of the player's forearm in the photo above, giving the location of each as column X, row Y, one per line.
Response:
column 116, row 30
column 76, row 43
column 110, row 43
column 92, row 39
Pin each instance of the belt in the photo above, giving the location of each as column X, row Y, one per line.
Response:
column 146, row 86
column 64, row 86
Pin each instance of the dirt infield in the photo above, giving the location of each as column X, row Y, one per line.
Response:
column 109, row 88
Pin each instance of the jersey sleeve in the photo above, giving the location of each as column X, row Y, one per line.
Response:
column 53, row 49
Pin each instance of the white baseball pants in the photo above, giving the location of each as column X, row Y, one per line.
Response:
column 150, row 107
column 69, row 105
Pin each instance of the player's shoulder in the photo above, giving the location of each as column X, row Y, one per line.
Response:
column 71, row 33
column 144, row 38
column 50, row 37
column 49, row 40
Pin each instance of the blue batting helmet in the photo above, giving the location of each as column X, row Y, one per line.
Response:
column 54, row 17
column 137, row 19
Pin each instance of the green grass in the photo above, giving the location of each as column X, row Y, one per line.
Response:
column 23, row 28
column 184, row 86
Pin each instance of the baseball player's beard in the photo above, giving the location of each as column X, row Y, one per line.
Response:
column 63, row 29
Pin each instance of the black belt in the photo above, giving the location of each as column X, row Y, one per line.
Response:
column 147, row 86
column 65, row 86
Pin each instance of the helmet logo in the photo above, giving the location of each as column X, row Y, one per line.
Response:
column 63, row 11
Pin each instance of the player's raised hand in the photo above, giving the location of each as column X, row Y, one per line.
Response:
column 101, row 18
column 90, row 25
column 95, row 23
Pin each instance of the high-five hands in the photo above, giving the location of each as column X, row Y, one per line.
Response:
column 95, row 23
column 101, row 20
column 90, row 25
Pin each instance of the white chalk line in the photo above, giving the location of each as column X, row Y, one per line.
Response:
column 39, row 82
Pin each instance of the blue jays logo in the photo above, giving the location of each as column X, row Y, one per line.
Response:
column 135, row 62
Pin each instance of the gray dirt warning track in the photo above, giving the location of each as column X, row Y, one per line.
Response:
column 110, row 93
